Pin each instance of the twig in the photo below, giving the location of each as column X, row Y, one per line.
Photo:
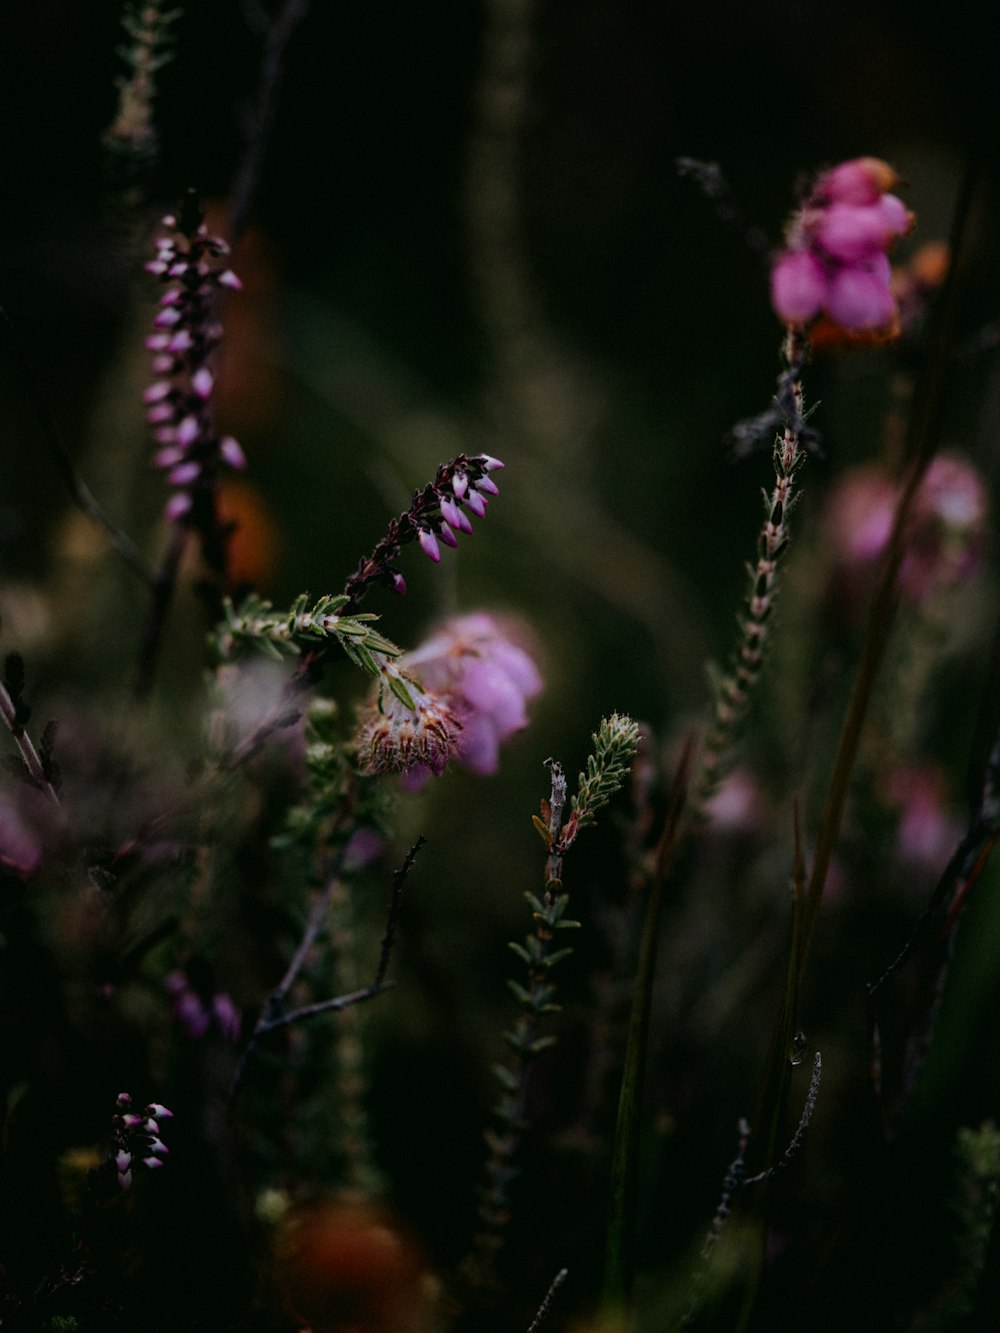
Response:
column 274, row 1015
column 32, row 759
column 164, row 582
column 398, row 884
column 279, row 34
column 543, row 1309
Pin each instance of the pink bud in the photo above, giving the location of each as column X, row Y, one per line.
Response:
column 165, row 319
column 187, row 431
column 152, row 1162
column 123, row 1161
column 858, row 296
column 202, row 382
column 798, row 286
column 859, row 181
column 447, row 536
column 229, row 279
column 398, row 582
column 169, row 457
column 459, row 485
column 428, row 543
column 490, row 464
column 450, row 511
column 184, row 474
column 231, row 453
column 487, row 486
column 177, row 506
column 476, row 503
column 158, row 1109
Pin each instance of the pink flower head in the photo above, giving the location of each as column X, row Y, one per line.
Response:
column 947, row 531
column 835, row 258
column 394, row 738
column 482, row 668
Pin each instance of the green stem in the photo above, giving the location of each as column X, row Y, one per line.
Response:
column 619, row 1267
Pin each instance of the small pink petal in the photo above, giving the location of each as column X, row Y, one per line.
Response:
column 428, row 544
column 798, row 286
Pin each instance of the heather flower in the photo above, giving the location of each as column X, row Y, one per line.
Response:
column 406, row 728
column 192, row 266
column 136, row 1137
column 835, row 257
column 927, row 833
column 481, row 666
column 947, row 532
column 436, row 514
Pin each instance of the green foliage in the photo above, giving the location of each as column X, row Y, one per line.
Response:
column 615, row 744
column 256, row 625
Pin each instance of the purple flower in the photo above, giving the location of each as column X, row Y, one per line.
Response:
column 482, row 668
column 835, row 258
column 392, row 737
column 946, row 537
column 191, row 265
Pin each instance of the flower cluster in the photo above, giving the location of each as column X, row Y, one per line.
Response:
column 191, row 264
column 137, row 1137
column 835, row 255
column 438, row 513
column 476, row 680
column 946, row 538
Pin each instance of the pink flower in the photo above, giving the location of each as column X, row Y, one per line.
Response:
column 947, row 532
column 487, row 675
column 476, row 678
column 835, row 258
column 392, row 737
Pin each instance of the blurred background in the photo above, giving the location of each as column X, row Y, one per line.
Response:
column 469, row 234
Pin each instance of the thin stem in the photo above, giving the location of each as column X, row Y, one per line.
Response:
column 619, row 1254
column 31, row 757
column 164, row 583
column 279, row 34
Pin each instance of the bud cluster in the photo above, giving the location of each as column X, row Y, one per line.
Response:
column 437, row 514
column 835, row 257
column 137, row 1137
column 191, row 265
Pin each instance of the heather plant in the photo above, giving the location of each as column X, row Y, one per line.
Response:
column 263, row 850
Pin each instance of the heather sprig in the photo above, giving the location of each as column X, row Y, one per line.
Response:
column 733, row 688
column 137, row 1139
column 974, row 1204
column 255, row 624
column 437, row 514
column 193, row 268
column 132, row 134
column 607, row 768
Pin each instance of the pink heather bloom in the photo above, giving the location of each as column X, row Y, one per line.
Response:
column 835, row 258
column 481, row 666
column 927, row 833
column 947, row 532
column 394, row 738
